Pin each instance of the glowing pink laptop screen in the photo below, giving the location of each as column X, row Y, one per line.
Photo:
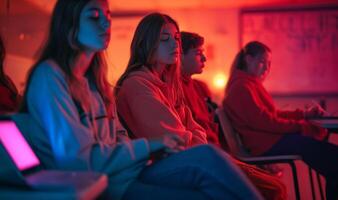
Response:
column 17, row 147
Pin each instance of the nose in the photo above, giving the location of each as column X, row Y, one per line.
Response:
column 204, row 58
column 106, row 22
column 175, row 43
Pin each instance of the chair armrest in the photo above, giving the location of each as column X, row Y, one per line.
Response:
column 270, row 159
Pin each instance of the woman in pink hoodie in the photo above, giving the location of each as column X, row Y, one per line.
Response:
column 150, row 99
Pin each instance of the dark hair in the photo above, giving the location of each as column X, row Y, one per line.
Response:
column 62, row 46
column 190, row 40
column 2, row 59
column 252, row 48
column 143, row 47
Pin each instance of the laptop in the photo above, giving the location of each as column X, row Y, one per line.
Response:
column 20, row 167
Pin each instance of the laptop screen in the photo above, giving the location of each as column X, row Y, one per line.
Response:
column 17, row 147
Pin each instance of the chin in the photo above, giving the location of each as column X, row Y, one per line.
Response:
column 172, row 61
column 96, row 47
column 102, row 44
column 199, row 71
column 100, row 48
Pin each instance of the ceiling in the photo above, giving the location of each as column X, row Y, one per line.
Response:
column 135, row 5
column 24, row 22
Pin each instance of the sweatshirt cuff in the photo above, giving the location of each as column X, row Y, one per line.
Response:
column 142, row 149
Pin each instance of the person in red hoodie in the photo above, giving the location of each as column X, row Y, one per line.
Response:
column 264, row 129
column 196, row 92
column 9, row 98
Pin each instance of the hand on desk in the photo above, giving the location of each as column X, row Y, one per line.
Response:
column 314, row 131
column 314, row 111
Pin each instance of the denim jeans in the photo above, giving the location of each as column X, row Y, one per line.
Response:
column 202, row 172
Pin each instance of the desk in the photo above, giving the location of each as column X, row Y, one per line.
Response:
column 326, row 123
column 16, row 193
column 87, row 189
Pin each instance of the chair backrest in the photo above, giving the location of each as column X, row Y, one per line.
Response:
column 232, row 138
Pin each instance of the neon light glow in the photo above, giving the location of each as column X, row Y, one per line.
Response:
column 219, row 81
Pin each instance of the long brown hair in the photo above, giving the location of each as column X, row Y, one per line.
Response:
column 142, row 53
column 63, row 47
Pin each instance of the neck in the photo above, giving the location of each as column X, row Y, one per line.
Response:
column 185, row 74
column 81, row 64
column 159, row 69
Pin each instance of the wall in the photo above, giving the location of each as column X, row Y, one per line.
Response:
column 24, row 32
column 304, row 45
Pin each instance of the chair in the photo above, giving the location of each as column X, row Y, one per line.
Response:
column 238, row 150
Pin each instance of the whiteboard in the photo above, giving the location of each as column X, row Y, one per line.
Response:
column 304, row 45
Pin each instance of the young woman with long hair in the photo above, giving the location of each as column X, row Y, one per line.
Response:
column 150, row 98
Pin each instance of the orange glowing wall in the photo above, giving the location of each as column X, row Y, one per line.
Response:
column 25, row 26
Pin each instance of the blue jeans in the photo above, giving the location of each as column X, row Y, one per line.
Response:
column 202, row 172
column 319, row 155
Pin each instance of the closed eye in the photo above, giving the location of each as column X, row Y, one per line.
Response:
column 164, row 37
column 94, row 13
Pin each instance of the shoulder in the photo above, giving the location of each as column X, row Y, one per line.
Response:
column 240, row 89
column 200, row 83
column 202, row 86
column 47, row 76
column 139, row 82
column 242, row 83
column 48, row 69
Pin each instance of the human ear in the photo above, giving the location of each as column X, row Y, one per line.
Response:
column 248, row 59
